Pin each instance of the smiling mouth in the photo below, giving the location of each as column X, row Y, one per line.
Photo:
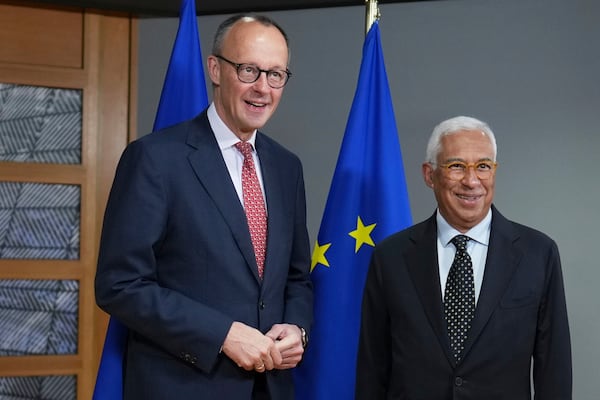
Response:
column 468, row 198
column 259, row 105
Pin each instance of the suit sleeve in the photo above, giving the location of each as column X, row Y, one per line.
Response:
column 127, row 287
column 552, row 370
column 299, row 293
column 373, row 361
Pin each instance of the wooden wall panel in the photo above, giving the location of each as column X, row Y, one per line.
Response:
column 41, row 36
column 78, row 49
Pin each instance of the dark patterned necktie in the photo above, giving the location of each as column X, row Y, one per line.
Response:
column 254, row 204
column 459, row 299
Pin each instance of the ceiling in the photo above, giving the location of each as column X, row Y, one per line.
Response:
column 206, row 7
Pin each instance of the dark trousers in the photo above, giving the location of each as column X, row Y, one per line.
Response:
column 260, row 391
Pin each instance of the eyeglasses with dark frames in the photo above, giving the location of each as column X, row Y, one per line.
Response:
column 249, row 73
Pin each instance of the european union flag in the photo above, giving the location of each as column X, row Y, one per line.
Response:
column 367, row 202
column 183, row 97
column 184, row 90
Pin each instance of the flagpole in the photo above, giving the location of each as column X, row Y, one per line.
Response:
column 372, row 14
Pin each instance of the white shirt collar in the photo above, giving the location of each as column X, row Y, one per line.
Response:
column 480, row 232
column 225, row 136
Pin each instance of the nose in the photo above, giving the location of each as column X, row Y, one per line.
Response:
column 471, row 177
column 261, row 82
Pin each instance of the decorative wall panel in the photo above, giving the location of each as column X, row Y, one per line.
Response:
column 40, row 124
column 38, row 317
column 39, row 221
column 38, row 388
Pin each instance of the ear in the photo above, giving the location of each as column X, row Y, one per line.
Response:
column 214, row 69
column 428, row 170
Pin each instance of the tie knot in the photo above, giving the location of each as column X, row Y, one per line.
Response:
column 245, row 148
column 460, row 241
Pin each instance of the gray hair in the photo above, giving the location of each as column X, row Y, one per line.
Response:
column 453, row 125
column 226, row 25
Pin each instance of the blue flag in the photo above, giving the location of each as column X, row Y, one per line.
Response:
column 183, row 97
column 184, row 91
column 367, row 202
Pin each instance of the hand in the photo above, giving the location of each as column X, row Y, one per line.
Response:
column 250, row 349
column 288, row 340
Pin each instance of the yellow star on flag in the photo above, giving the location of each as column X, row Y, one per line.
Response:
column 362, row 234
column 318, row 255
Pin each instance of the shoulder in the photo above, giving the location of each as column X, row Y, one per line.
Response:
column 521, row 235
column 266, row 144
column 172, row 140
column 270, row 149
column 414, row 235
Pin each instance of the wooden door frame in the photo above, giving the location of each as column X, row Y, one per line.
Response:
column 108, row 79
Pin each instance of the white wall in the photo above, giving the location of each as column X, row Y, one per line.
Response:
column 530, row 68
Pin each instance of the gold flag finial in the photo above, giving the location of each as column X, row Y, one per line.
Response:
column 372, row 14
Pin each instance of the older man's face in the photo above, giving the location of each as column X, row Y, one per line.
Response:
column 463, row 202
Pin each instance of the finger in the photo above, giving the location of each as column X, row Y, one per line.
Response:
column 288, row 365
column 260, row 367
column 268, row 362
column 286, row 344
column 276, row 332
column 276, row 356
column 272, row 335
column 291, row 359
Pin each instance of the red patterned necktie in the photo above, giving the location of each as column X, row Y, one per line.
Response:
column 254, row 204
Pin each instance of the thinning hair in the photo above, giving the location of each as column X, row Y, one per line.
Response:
column 453, row 125
column 226, row 26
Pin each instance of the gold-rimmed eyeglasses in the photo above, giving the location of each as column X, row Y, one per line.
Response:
column 456, row 170
column 249, row 73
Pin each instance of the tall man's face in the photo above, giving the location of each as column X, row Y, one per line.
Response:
column 245, row 107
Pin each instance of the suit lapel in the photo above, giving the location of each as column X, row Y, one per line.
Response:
column 424, row 271
column 272, row 182
column 209, row 166
column 501, row 262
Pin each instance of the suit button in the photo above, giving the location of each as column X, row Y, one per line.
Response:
column 458, row 381
column 261, row 305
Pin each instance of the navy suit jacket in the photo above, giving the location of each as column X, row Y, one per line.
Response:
column 404, row 352
column 177, row 266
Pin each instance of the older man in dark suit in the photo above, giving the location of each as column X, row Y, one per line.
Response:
column 204, row 253
column 466, row 305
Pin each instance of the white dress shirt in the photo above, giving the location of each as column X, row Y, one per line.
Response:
column 232, row 156
column 477, row 248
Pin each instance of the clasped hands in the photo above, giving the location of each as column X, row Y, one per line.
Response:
column 280, row 348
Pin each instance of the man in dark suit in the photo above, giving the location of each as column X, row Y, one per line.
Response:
column 442, row 322
column 212, row 314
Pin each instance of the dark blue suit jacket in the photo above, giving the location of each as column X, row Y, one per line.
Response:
column 177, row 267
column 404, row 351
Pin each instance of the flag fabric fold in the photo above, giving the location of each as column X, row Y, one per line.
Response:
column 183, row 97
column 368, row 201
column 184, row 90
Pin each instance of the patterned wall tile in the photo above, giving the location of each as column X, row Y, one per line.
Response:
column 40, row 124
column 39, row 221
column 38, row 388
column 38, row 317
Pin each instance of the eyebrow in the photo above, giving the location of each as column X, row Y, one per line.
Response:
column 463, row 160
